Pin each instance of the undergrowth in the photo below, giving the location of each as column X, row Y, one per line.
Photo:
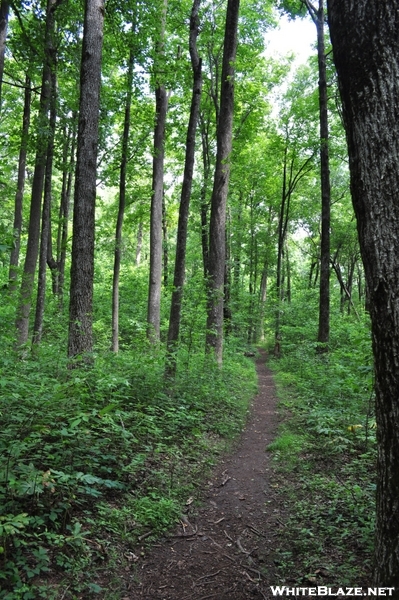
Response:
column 325, row 457
column 96, row 461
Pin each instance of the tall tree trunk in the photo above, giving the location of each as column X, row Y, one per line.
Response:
column 288, row 272
column 251, row 281
column 46, row 217
column 204, row 201
column 324, row 299
column 19, row 195
column 181, row 243
column 4, row 11
column 121, row 207
column 281, row 237
column 23, row 311
column 214, row 326
column 262, row 300
column 165, row 253
column 155, row 278
column 62, row 234
column 82, row 268
column 227, row 312
column 365, row 43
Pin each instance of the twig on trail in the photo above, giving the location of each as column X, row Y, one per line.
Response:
column 243, row 566
column 252, row 570
column 228, row 536
column 210, row 575
column 186, row 535
column 241, row 549
column 145, row 535
column 206, row 597
column 249, row 577
column 279, row 521
column 256, row 531
column 184, row 521
column 218, row 521
column 225, row 478
column 229, row 557
column 213, row 542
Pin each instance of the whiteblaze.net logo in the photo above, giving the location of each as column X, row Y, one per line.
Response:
column 283, row 590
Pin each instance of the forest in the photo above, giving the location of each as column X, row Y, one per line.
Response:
column 174, row 201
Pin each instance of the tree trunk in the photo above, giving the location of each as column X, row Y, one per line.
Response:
column 46, row 217
column 82, row 267
column 204, row 201
column 4, row 11
column 19, row 195
column 23, row 311
column 227, row 312
column 365, row 43
column 214, row 326
column 288, row 273
column 180, row 260
column 62, row 235
column 165, row 253
column 155, row 278
column 262, row 300
column 121, row 207
column 323, row 335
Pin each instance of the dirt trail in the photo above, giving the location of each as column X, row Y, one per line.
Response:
column 225, row 550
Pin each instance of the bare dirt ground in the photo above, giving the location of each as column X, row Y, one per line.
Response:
column 224, row 550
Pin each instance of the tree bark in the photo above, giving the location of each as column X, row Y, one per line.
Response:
column 324, row 298
column 366, row 54
column 180, row 260
column 62, row 234
column 82, row 268
column 214, row 326
column 19, row 195
column 155, row 277
column 121, row 207
column 23, row 310
column 204, row 189
column 46, row 217
column 165, row 250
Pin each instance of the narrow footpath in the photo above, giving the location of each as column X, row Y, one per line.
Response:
column 225, row 549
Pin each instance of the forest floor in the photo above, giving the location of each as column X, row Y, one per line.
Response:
column 224, row 548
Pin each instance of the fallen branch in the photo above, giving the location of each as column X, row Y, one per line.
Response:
column 210, row 575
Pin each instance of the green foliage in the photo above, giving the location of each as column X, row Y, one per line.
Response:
column 286, row 443
column 91, row 454
column 325, row 455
